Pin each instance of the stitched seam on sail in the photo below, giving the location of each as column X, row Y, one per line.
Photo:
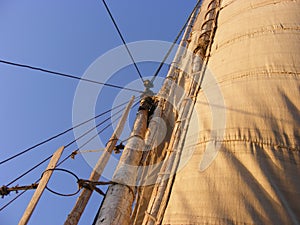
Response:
column 257, row 6
column 276, row 28
column 261, row 75
column 256, row 142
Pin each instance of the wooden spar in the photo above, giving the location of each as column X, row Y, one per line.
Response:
column 117, row 205
column 41, row 187
column 161, row 191
column 162, row 111
column 167, row 170
column 85, row 195
column 150, row 140
column 183, row 42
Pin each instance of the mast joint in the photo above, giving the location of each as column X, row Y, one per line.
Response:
column 148, row 103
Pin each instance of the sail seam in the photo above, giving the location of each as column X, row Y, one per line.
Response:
column 256, row 142
column 270, row 30
column 257, row 75
column 251, row 7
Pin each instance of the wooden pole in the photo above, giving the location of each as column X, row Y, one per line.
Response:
column 161, row 191
column 117, row 205
column 162, row 110
column 41, row 187
column 82, row 200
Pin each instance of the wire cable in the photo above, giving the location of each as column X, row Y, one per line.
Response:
column 49, row 157
column 14, row 199
column 70, row 143
column 90, row 130
column 93, row 136
column 123, row 40
column 66, row 75
column 60, row 134
column 84, row 144
column 46, row 159
column 174, row 42
column 88, row 141
column 68, row 172
column 31, row 169
column 21, row 193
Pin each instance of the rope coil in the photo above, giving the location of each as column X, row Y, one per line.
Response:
column 82, row 183
column 67, row 171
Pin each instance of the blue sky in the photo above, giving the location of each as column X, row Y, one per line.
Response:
column 64, row 36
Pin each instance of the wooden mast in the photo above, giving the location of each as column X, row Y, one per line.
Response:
column 162, row 111
column 161, row 191
column 117, row 204
column 85, row 195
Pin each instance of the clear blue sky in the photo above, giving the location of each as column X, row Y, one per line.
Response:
column 65, row 36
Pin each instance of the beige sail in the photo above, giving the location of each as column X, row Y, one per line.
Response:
column 231, row 151
column 240, row 162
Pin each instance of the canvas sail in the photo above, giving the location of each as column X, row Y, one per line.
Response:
column 230, row 112
column 244, row 167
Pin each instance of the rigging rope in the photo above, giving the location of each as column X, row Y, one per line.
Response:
column 174, row 42
column 83, row 79
column 81, row 183
column 92, row 81
column 66, row 75
column 88, row 141
column 69, row 144
column 28, row 171
column 123, row 40
column 59, row 134
column 21, row 193
column 84, row 144
column 14, row 199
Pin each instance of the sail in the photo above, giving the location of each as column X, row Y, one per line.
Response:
column 223, row 144
column 241, row 153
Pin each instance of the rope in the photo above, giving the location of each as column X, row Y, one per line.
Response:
column 174, row 42
column 11, row 201
column 82, row 183
column 66, row 171
column 60, row 134
column 163, row 187
column 15, row 198
column 49, row 157
column 91, row 185
column 123, row 40
column 75, row 152
column 88, row 141
column 67, row 75
column 20, row 194
column 31, row 169
column 4, row 190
